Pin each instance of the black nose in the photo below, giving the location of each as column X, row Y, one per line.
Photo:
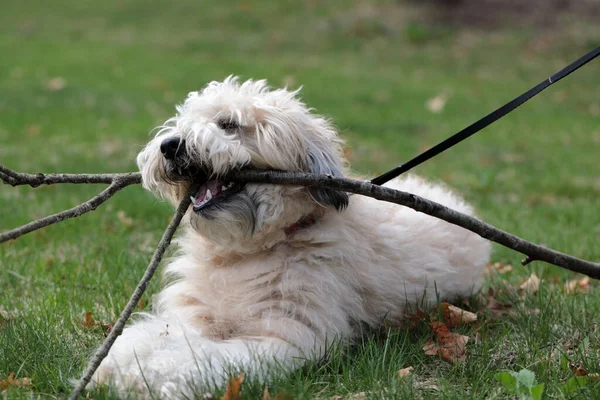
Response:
column 172, row 147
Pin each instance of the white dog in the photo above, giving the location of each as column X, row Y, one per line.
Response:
column 267, row 275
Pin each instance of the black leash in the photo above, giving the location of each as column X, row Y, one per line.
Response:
column 485, row 121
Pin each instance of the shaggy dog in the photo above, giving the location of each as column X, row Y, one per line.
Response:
column 267, row 276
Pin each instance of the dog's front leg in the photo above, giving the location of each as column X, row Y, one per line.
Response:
column 161, row 357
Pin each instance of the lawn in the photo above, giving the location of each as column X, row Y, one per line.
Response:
column 83, row 83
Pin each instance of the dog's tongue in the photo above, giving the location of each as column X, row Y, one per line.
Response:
column 213, row 186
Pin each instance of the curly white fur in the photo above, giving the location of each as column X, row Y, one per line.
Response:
column 246, row 295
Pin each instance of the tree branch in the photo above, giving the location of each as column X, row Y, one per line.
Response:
column 116, row 331
column 486, row 231
column 14, row 178
column 116, row 181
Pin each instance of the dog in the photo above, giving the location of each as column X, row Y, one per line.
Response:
column 266, row 277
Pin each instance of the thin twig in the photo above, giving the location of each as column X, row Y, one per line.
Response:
column 77, row 211
column 14, row 178
column 102, row 352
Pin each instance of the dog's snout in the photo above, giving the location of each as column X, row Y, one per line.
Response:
column 172, row 147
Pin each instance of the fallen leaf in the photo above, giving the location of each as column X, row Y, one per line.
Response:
column 56, row 84
column 32, row 130
column 232, row 392
column 8, row 381
column 578, row 285
column 500, row 268
column 579, row 370
column 416, row 318
column 450, row 346
column 357, row 396
column 11, row 381
column 124, row 219
column 594, row 377
column 436, row 104
column 90, row 322
column 496, row 308
column 266, row 395
column 404, row 372
column 530, row 285
column 454, row 316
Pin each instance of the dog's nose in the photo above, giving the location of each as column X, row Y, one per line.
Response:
column 171, row 147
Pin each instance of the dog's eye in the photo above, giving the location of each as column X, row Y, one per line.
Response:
column 228, row 125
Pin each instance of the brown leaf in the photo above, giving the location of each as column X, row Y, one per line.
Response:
column 496, row 308
column 436, row 104
column 56, row 84
column 578, row 285
column 404, row 372
column 7, row 382
column 11, row 381
column 499, row 268
column 454, row 316
column 414, row 319
column 595, row 377
column 266, row 395
column 124, row 219
column 232, row 392
column 578, row 370
column 530, row 285
column 90, row 322
column 450, row 346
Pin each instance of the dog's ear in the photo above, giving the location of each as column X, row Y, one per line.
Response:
column 320, row 161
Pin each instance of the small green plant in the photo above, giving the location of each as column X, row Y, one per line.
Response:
column 522, row 384
column 574, row 383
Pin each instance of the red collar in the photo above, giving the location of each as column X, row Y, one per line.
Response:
column 304, row 222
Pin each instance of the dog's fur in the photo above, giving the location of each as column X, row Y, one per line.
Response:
column 248, row 292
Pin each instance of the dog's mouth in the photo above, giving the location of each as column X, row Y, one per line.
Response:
column 214, row 192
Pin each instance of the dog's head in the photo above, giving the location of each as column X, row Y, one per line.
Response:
column 229, row 126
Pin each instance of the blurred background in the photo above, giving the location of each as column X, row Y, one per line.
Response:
column 82, row 84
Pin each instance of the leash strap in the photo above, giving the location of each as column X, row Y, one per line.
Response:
column 485, row 121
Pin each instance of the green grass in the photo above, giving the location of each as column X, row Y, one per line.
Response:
column 371, row 67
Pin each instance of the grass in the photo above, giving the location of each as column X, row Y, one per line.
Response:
column 372, row 67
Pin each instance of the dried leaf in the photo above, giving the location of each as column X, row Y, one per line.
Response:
column 578, row 370
column 496, row 308
column 416, row 318
column 266, row 395
column 436, row 104
column 55, row 84
column 7, row 382
column 357, row 396
column 232, row 392
column 578, row 285
column 404, row 372
column 11, row 381
column 124, row 219
column 450, row 346
column 90, row 322
column 454, row 316
column 594, row 377
column 500, row 268
column 530, row 285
